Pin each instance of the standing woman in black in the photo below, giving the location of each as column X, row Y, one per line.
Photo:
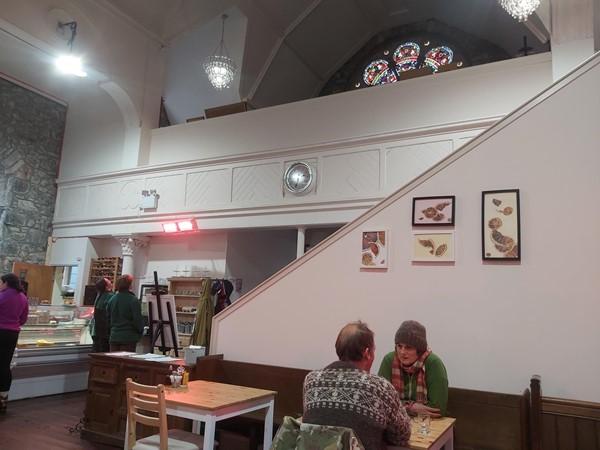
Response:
column 14, row 309
column 99, row 327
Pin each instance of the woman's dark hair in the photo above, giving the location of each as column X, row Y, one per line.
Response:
column 124, row 283
column 101, row 285
column 353, row 340
column 12, row 281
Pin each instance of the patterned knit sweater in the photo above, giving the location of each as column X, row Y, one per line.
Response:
column 343, row 395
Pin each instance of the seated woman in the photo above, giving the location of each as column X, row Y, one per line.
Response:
column 418, row 375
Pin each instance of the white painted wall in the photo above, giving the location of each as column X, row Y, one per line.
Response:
column 90, row 150
column 255, row 255
column 458, row 97
column 203, row 253
column 74, row 252
column 493, row 324
column 570, row 54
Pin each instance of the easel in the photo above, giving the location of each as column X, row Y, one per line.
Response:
column 159, row 331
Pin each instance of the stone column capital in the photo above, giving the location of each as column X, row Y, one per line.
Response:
column 129, row 243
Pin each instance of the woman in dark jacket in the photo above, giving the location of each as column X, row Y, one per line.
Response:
column 124, row 315
column 99, row 327
column 14, row 309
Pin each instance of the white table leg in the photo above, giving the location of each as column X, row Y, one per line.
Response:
column 196, row 426
column 268, row 437
column 209, row 433
column 450, row 443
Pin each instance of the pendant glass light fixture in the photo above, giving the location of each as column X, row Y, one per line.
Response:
column 520, row 9
column 220, row 68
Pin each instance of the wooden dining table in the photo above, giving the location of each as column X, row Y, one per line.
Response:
column 441, row 434
column 210, row 402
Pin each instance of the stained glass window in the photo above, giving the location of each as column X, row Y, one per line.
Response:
column 438, row 56
column 407, row 56
column 379, row 72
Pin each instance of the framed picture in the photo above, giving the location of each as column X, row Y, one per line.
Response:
column 500, row 225
column 374, row 253
column 433, row 211
column 150, row 289
column 433, row 246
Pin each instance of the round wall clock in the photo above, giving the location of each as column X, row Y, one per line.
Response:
column 298, row 177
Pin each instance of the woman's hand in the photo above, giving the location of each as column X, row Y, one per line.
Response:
column 421, row 408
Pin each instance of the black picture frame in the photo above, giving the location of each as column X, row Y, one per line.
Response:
column 89, row 295
column 147, row 289
column 434, row 211
column 501, row 225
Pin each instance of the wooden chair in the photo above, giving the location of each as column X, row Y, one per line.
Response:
column 146, row 405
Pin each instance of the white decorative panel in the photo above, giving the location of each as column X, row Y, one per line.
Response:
column 102, row 199
column 170, row 190
column 70, row 202
column 257, row 183
column 351, row 173
column 406, row 162
column 210, row 187
column 464, row 140
column 130, row 195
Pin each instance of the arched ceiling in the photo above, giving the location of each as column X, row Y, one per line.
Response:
column 291, row 48
column 287, row 50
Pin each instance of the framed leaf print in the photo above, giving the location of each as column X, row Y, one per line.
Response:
column 500, row 225
column 433, row 211
column 433, row 246
column 374, row 254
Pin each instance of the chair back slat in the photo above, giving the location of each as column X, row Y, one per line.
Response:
column 146, row 405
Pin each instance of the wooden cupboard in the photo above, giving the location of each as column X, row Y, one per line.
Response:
column 106, row 401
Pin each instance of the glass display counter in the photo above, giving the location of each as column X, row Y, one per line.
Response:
column 50, row 326
column 53, row 356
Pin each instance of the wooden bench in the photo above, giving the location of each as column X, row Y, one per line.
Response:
column 489, row 420
column 484, row 420
column 562, row 424
column 246, row 432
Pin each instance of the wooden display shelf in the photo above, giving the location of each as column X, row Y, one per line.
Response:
column 110, row 268
column 186, row 292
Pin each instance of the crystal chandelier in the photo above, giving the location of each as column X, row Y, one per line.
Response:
column 220, row 68
column 520, row 9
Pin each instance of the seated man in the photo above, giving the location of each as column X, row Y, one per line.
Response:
column 418, row 375
column 345, row 394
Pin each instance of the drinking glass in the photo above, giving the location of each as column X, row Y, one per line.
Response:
column 175, row 380
column 424, row 423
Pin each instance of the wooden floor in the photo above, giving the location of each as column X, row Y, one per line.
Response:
column 45, row 423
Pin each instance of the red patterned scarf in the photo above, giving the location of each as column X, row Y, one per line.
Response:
column 418, row 367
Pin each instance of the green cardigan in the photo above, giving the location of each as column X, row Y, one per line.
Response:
column 124, row 316
column 436, row 380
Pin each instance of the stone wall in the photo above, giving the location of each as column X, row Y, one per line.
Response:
column 31, row 135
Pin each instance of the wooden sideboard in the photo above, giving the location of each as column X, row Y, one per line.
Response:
column 106, row 402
